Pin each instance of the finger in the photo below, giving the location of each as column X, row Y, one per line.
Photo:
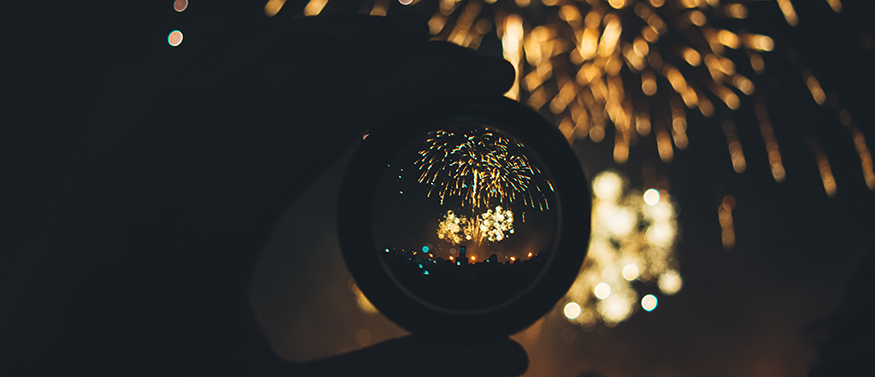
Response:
column 355, row 27
column 403, row 80
column 425, row 357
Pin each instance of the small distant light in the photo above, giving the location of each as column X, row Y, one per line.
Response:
column 174, row 38
column 451, row 258
column 630, row 272
column 530, row 255
column 405, row 2
column 425, row 249
column 387, row 250
column 425, row 272
column 401, row 192
column 651, row 197
column 572, row 310
column 473, row 258
column 602, row 291
column 649, row 303
column 512, row 259
column 420, row 265
column 458, row 263
column 180, row 5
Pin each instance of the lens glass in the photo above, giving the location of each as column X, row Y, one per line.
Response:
column 465, row 217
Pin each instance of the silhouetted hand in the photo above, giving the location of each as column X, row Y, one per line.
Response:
column 150, row 276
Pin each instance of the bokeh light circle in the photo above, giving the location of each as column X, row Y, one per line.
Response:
column 630, row 272
column 649, row 302
column 602, row 291
column 572, row 310
column 651, row 197
column 174, row 38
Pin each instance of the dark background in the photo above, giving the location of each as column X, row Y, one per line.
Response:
column 760, row 309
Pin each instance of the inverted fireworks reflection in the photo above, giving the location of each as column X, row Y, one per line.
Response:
column 481, row 167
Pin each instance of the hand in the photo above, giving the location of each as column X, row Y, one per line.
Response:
column 151, row 274
column 414, row 356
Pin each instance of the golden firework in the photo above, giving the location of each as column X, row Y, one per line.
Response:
column 492, row 225
column 480, row 167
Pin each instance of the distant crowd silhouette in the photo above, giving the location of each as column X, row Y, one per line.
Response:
column 460, row 283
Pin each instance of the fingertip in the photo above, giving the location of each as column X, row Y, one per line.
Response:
column 460, row 66
column 505, row 73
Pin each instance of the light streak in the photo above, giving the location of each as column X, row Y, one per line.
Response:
column 273, row 7
column 813, row 86
column 836, row 5
column 829, row 182
column 788, row 11
column 512, row 45
column 314, row 7
column 774, row 153
column 380, row 8
column 727, row 225
column 735, row 153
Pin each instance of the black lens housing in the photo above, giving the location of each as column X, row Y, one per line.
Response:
column 562, row 266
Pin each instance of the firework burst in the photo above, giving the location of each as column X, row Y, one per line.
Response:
column 492, row 225
column 480, row 167
column 640, row 66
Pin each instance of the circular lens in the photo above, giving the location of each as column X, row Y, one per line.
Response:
column 465, row 219
column 465, row 216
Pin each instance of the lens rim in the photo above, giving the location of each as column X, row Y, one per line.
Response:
column 364, row 260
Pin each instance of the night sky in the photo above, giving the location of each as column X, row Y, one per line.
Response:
column 762, row 308
column 759, row 309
